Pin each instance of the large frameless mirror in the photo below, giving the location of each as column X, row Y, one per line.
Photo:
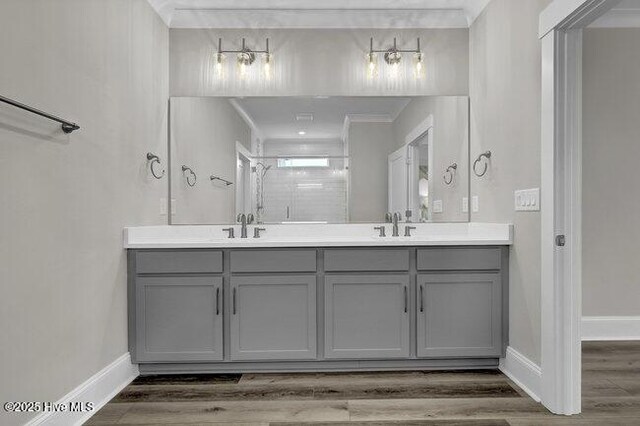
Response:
column 319, row 159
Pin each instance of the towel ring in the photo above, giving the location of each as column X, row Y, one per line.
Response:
column 226, row 182
column 486, row 155
column 450, row 173
column 191, row 174
column 154, row 159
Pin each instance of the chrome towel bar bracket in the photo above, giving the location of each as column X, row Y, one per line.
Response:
column 153, row 160
column 487, row 156
column 191, row 175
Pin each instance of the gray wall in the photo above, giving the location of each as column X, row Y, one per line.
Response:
column 505, row 64
column 369, row 147
column 204, row 132
column 450, row 145
column 611, row 194
column 312, row 62
column 66, row 199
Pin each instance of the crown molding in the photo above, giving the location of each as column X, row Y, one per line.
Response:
column 285, row 14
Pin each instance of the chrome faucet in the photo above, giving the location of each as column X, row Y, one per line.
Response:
column 245, row 219
column 242, row 219
column 396, row 219
column 388, row 218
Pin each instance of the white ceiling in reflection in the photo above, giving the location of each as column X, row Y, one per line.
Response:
column 275, row 118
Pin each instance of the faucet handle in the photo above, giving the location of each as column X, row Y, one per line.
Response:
column 407, row 230
column 239, row 218
column 256, row 232
column 231, row 232
column 250, row 218
column 382, row 231
column 388, row 218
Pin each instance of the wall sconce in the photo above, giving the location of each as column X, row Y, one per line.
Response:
column 245, row 57
column 393, row 58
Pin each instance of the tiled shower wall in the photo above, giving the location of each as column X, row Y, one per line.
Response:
column 306, row 194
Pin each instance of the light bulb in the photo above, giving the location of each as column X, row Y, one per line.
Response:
column 267, row 66
column 418, row 64
column 243, row 70
column 394, row 70
column 219, row 64
column 371, row 68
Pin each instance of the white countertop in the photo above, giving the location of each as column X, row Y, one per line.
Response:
column 318, row 235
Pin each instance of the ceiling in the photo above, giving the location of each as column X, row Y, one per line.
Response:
column 275, row 118
column 625, row 14
column 318, row 14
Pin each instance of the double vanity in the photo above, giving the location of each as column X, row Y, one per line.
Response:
column 317, row 297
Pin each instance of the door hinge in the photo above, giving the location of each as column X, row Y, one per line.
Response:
column 561, row 240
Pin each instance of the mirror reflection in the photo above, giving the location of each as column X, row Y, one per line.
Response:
column 319, row 159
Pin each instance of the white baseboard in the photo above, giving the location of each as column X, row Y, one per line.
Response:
column 524, row 372
column 610, row 328
column 98, row 389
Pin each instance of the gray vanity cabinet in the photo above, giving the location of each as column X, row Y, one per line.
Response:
column 459, row 315
column 273, row 317
column 178, row 318
column 366, row 316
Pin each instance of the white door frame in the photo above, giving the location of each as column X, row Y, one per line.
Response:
column 244, row 155
column 423, row 130
column 561, row 25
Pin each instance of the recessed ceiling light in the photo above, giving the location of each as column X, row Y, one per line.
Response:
column 302, row 133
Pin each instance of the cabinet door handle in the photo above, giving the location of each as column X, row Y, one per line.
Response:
column 406, row 302
column 234, row 301
column 421, row 298
column 218, row 301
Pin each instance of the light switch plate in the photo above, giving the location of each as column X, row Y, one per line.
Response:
column 465, row 205
column 437, row 206
column 475, row 204
column 527, row 200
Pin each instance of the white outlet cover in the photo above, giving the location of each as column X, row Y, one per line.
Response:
column 173, row 206
column 465, row 205
column 475, row 204
column 437, row 206
column 527, row 200
column 163, row 206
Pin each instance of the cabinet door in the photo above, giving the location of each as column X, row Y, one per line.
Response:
column 273, row 317
column 367, row 316
column 179, row 319
column 459, row 315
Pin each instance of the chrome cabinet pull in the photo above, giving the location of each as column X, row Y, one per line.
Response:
column 406, row 302
column 421, row 299
column 218, row 301
column 234, row 301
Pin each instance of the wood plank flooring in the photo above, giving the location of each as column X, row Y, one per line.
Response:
column 611, row 396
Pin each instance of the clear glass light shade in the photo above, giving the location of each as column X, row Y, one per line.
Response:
column 219, row 65
column 372, row 65
column 267, row 66
column 418, row 62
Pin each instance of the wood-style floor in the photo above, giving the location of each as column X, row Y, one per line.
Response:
column 611, row 396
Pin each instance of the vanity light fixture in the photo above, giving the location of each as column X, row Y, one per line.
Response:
column 393, row 57
column 245, row 57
